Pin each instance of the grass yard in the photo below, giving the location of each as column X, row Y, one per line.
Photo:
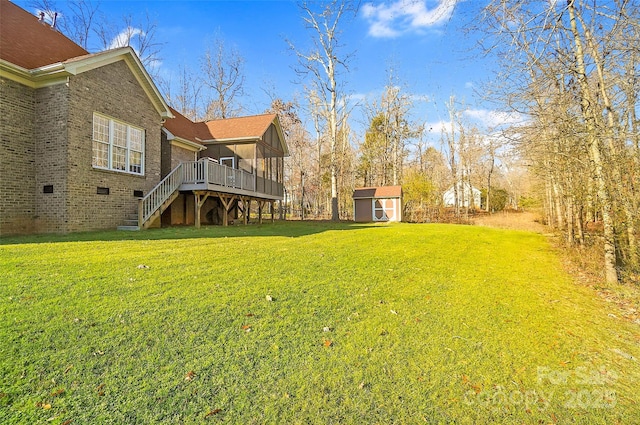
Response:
column 307, row 323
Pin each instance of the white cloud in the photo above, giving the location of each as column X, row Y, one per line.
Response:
column 493, row 119
column 125, row 37
column 389, row 20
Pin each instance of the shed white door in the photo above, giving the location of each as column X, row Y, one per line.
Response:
column 384, row 209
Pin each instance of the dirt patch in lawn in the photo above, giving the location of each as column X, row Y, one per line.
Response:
column 513, row 220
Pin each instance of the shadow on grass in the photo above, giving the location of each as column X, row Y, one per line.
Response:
column 291, row 229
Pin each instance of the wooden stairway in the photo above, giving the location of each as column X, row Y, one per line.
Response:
column 153, row 204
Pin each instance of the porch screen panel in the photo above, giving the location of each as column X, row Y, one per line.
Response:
column 246, row 154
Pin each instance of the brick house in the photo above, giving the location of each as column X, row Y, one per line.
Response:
column 80, row 133
column 87, row 142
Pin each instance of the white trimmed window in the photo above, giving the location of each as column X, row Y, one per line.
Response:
column 117, row 145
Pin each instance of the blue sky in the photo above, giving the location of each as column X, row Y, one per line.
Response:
column 424, row 40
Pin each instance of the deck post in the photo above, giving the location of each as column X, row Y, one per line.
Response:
column 260, row 204
column 226, row 203
column 244, row 212
column 272, row 211
column 197, row 207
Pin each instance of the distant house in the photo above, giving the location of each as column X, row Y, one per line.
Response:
column 468, row 196
column 87, row 142
column 377, row 204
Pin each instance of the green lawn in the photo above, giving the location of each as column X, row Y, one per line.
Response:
column 365, row 324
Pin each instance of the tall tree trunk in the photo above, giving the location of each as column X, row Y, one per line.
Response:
column 333, row 128
column 615, row 159
column 586, row 102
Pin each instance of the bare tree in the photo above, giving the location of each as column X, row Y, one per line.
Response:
column 76, row 21
column 140, row 36
column 81, row 21
column 299, row 165
column 577, row 56
column 323, row 63
column 223, row 75
column 187, row 97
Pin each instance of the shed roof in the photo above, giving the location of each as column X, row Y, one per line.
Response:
column 378, row 192
column 29, row 43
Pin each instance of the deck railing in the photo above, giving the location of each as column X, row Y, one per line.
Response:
column 203, row 171
column 208, row 171
column 159, row 194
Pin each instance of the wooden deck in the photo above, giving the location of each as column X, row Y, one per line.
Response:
column 205, row 178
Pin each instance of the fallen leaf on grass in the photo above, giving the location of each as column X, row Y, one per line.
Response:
column 245, row 327
column 142, row 266
column 394, row 312
column 99, row 390
column 213, row 412
column 269, row 298
column 57, row 392
column 67, row 422
column 249, row 315
column 327, row 343
column 189, row 376
column 68, row 368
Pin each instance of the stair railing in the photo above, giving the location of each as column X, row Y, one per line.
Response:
column 157, row 196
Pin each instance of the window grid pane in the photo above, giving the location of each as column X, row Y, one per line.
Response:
column 119, row 135
column 119, row 159
column 136, row 139
column 100, row 129
column 100, row 155
column 135, row 162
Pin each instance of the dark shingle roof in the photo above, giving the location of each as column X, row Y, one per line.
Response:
column 28, row 43
column 240, row 128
